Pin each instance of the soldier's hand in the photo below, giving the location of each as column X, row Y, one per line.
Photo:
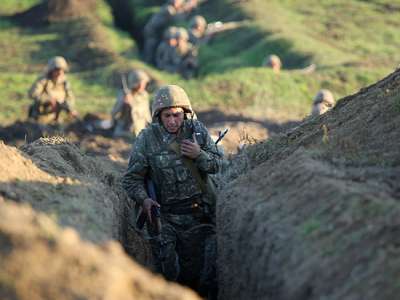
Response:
column 147, row 204
column 53, row 104
column 190, row 149
column 74, row 113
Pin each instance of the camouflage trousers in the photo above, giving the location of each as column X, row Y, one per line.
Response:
column 185, row 251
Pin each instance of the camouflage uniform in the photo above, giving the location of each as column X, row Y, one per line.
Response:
column 134, row 115
column 197, row 29
column 165, row 51
column 187, row 249
column 273, row 61
column 155, row 27
column 45, row 89
column 323, row 102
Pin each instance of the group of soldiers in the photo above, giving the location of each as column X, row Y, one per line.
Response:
column 51, row 94
column 171, row 48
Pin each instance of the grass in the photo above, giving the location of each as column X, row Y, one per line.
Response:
column 336, row 35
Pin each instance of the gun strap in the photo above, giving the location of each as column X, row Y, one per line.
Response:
column 174, row 146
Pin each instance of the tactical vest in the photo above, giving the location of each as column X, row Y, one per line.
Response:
column 175, row 184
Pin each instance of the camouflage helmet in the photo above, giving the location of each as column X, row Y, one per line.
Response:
column 182, row 34
column 170, row 32
column 170, row 96
column 324, row 96
column 198, row 21
column 57, row 62
column 273, row 60
column 135, row 77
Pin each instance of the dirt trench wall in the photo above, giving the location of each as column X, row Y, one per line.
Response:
column 76, row 190
column 38, row 260
column 317, row 216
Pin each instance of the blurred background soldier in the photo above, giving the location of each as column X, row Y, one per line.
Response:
column 323, row 102
column 51, row 93
column 160, row 21
column 186, row 55
column 131, row 112
column 197, row 29
column 165, row 50
column 274, row 62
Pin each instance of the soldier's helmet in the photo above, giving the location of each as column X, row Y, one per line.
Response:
column 182, row 34
column 135, row 77
column 57, row 62
column 170, row 96
column 170, row 33
column 198, row 22
column 324, row 96
column 273, row 61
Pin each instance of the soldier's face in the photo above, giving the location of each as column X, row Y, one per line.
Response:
column 172, row 119
column 56, row 73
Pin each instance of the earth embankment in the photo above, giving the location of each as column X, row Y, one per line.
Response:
column 316, row 215
column 38, row 260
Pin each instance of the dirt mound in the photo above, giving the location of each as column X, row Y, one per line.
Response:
column 317, row 214
column 55, row 10
column 80, row 191
column 38, row 260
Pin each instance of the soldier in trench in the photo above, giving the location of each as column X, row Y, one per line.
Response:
column 131, row 111
column 171, row 12
column 274, row 62
column 51, row 93
column 323, row 101
column 177, row 154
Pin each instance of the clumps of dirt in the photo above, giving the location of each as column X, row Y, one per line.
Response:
column 314, row 213
column 50, row 11
column 38, row 260
column 56, row 177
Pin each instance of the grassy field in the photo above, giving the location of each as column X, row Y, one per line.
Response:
column 353, row 44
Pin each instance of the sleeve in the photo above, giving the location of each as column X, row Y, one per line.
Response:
column 69, row 96
column 210, row 158
column 133, row 179
column 37, row 91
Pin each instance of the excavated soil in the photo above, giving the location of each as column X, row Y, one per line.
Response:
column 38, row 260
column 314, row 213
column 75, row 189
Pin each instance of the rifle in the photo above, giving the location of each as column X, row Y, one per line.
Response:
column 221, row 135
column 217, row 27
column 155, row 211
column 124, row 85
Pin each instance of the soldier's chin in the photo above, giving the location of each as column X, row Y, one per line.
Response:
column 172, row 129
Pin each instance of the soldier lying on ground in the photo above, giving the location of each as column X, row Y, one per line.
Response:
column 51, row 93
column 131, row 112
column 177, row 154
column 160, row 21
column 323, row 102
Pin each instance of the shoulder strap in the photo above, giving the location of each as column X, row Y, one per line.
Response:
column 174, row 146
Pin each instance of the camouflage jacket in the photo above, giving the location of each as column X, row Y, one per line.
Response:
column 152, row 156
column 44, row 89
column 139, row 105
column 160, row 20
